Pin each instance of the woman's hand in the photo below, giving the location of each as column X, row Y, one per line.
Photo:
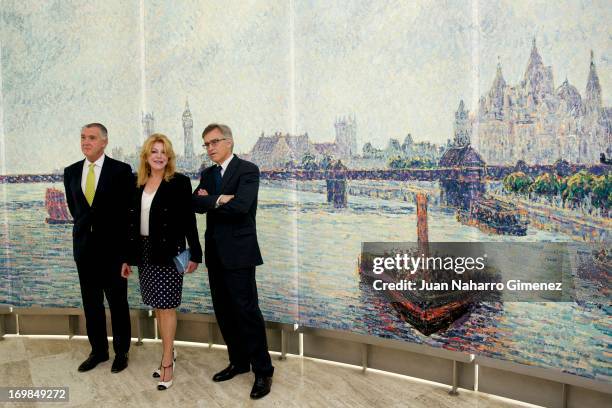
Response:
column 125, row 270
column 191, row 266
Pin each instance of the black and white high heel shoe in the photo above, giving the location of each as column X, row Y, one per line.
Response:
column 157, row 372
column 164, row 385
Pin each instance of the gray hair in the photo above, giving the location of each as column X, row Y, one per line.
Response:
column 224, row 129
column 101, row 127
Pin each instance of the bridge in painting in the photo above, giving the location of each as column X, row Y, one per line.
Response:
column 434, row 174
column 336, row 178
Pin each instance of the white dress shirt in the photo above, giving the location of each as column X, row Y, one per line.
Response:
column 145, row 209
column 225, row 164
column 97, row 170
column 223, row 168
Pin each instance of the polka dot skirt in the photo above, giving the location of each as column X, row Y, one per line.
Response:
column 161, row 286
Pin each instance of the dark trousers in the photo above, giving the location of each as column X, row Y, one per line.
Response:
column 98, row 280
column 234, row 296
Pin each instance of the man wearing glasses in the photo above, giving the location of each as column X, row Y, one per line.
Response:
column 227, row 193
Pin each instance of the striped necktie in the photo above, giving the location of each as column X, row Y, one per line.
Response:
column 90, row 184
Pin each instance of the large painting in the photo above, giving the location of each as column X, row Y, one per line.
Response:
column 494, row 115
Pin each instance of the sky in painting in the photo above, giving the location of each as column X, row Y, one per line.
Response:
column 267, row 66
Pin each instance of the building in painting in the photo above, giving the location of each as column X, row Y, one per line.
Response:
column 283, row 150
column 188, row 161
column 148, row 125
column 280, row 150
column 539, row 123
column 346, row 137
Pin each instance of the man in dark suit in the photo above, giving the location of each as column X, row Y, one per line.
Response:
column 98, row 190
column 228, row 195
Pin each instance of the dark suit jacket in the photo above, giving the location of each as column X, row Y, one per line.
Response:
column 100, row 230
column 171, row 220
column 231, row 227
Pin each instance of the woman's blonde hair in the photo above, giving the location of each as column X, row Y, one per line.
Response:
column 144, row 169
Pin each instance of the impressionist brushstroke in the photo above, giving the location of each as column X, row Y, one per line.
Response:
column 497, row 112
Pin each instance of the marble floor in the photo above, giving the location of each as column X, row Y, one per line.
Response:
column 298, row 382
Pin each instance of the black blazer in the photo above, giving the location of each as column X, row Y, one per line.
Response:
column 171, row 220
column 231, row 227
column 100, row 230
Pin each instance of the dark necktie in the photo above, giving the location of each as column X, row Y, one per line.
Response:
column 217, row 173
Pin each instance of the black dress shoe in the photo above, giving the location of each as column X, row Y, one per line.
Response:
column 261, row 387
column 120, row 363
column 229, row 372
column 92, row 361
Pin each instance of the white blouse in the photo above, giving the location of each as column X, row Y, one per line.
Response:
column 145, row 208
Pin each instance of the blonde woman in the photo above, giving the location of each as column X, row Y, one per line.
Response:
column 161, row 219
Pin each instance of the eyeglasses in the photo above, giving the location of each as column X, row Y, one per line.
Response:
column 213, row 143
